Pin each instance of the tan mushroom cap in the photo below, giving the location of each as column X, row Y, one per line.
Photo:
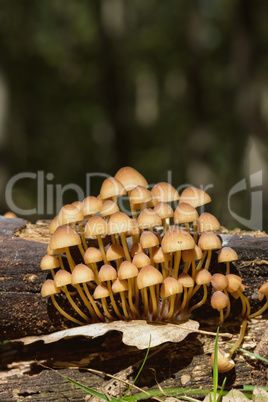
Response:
column 111, row 187
column 108, row 208
column 148, row 239
column 209, row 241
column 148, row 218
column 127, row 270
column 219, row 300
column 149, row 276
column 62, row 278
column 92, row 255
column 90, row 206
column 227, row 254
column 53, row 225
column 101, row 292
column 10, row 214
column 119, row 223
column 107, row 273
column 78, row 204
column 186, row 280
column 115, row 252
column 140, row 195
column 130, row 178
column 219, row 281
column 69, row 214
column 141, row 260
column 185, row 213
column 177, row 239
column 225, row 363
column 135, row 231
column 203, row 277
column 49, row 288
column 263, row 291
column 136, row 248
column 193, row 254
column 63, row 237
column 49, row 262
column 159, row 256
column 165, row 192
column 96, row 226
column 208, row 222
column 119, row 285
column 170, row 287
column 81, row 274
column 164, row 210
column 234, row 283
column 194, row 196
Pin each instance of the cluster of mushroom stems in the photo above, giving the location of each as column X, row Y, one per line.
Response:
column 147, row 266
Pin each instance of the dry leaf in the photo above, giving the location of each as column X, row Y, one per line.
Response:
column 235, row 396
column 259, row 394
column 135, row 333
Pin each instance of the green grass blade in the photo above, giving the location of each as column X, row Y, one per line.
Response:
column 253, row 354
column 215, row 367
column 222, row 388
column 251, row 387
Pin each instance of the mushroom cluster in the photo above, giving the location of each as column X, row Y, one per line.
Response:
column 153, row 265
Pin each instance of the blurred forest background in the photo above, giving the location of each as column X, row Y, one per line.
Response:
column 178, row 86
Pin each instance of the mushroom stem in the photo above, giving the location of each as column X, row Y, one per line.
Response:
column 163, row 305
column 239, row 340
column 80, row 312
column 202, row 301
column 69, row 258
column 105, row 309
column 195, row 231
column 87, row 303
column 264, row 307
column 187, row 227
column 130, row 298
column 200, row 264
column 154, row 302
column 66, row 315
column 183, row 304
column 124, row 305
column 109, row 286
column 102, row 249
column 221, row 316
column 208, row 259
column 171, row 307
column 125, row 246
column 228, row 307
column 92, row 301
column 144, row 296
column 177, row 264
column 244, row 304
column 84, row 242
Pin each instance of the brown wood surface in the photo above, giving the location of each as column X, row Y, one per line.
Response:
column 23, row 312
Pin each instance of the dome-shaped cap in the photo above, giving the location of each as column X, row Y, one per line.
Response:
column 219, row 281
column 159, row 256
column 140, row 195
column 194, row 196
column 69, row 214
column 62, row 278
column 111, row 187
column 81, row 274
column 115, row 252
column 185, row 213
column 177, row 239
column 227, row 254
column 219, row 300
column 100, row 292
column 141, row 260
column 136, row 248
column 148, row 239
column 164, row 210
column 130, row 178
column 148, row 218
column 119, row 285
column 225, row 363
column 170, row 287
column 165, row 192
column 193, row 254
column 92, row 255
column 119, row 223
column 90, row 206
column 96, row 226
column 107, row 273
column 127, row 270
column 234, row 282
column 63, row 237
column 49, row 262
column 203, row 277
column 149, row 276
column 209, row 241
column 53, row 225
column 49, row 288
column 108, row 208
column 186, row 280
column 207, row 223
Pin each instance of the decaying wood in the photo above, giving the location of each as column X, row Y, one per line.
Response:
column 23, row 313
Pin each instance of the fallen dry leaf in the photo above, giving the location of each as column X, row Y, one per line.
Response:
column 135, row 333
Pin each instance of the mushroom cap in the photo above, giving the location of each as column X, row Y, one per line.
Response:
column 219, row 281
column 177, row 239
column 49, row 262
column 81, row 274
column 141, row 259
column 53, row 225
column 127, row 270
column 159, row 256
column 148, row 218
column 135, row 231
column 119, row 285
column 107, row 273
column 136, row 248
column 77, row 204
column 264, row 288
column 130, row 178
column 100, row 292
column 140, row 195
column 209, row 241
column 90, row 206
column 227, row 254
column 108, row 208
column 165, row 192
column 225, row 363
column 92, row 255
column 119, row 223
column 111, row 187
column 63, row 237
column 96, row 226
column 219, row 300
column 170, row 287
column 69, row 214
column 186, row 280
column 194, row 196
column 62, row 278
column 185, row 213
column 10, row 214
column 164, row 210
column 208, row 222
column 234, row 283
column 115, row 252
column 193, row 254
column 203, row 277
column 148, row 239
column 149, row 276
column 49, row 288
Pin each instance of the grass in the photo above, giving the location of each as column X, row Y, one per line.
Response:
column 178, row 392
